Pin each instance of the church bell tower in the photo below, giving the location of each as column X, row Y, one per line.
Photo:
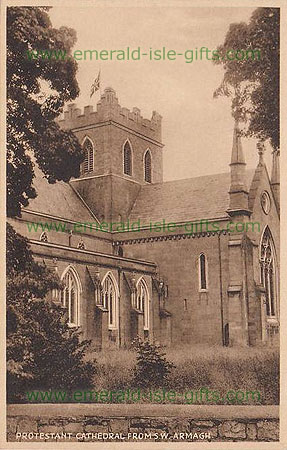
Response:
column 123, row 152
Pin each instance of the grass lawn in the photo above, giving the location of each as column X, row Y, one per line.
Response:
column 219, row 369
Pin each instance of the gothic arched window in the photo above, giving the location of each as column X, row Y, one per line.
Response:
column 147, row 166
column 203, row 281
column 110, row 299
column 142, row 301
column 70, row 296
column 268, row 271
column 127, row 159
column 88, row 163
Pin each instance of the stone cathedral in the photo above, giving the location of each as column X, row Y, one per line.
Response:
column 199, row 261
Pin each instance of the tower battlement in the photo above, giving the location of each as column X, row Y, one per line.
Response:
column 109, row 109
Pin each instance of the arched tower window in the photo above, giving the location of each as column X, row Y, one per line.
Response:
column 147, row 166
column 70, row 296
column 203, row 275
column 110, row 299
column 127, row 159
column 142, row 301
column 88, row 163
column 268, row 271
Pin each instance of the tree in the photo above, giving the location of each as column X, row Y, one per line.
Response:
column 36, row 92
column 42, row 351
column 253, row 82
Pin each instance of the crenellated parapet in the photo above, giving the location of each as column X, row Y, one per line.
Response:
column 109, row 109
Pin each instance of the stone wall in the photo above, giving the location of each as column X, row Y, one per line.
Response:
column 196, row 316
column 138, row 422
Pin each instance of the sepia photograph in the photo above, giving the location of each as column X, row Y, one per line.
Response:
column 143, row 224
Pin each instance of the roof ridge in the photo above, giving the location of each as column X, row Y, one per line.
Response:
column 185, row 199
column 194, row 178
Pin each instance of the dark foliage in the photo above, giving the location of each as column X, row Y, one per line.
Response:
column 253, row 84
column 42, row 351
column 152, row 367
column 36, row 92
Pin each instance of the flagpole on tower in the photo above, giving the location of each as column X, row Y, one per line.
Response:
column 96, row 86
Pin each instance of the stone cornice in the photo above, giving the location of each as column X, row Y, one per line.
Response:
column 170, row 237
column 145, row 410
column 118, row 125
column 86, row 253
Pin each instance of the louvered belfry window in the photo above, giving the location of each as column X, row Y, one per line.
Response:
column 127, row 159
column 147, row 167
column 88, row 164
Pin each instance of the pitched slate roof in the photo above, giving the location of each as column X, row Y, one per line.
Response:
column 58, row 200
column 204, row 197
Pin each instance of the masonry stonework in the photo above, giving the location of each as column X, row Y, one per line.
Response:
column 196, row 282
column 167, row 423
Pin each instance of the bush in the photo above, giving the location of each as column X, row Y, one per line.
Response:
column 152, row 368
column 44, row 353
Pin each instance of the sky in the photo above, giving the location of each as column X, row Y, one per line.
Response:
column 197, row 129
